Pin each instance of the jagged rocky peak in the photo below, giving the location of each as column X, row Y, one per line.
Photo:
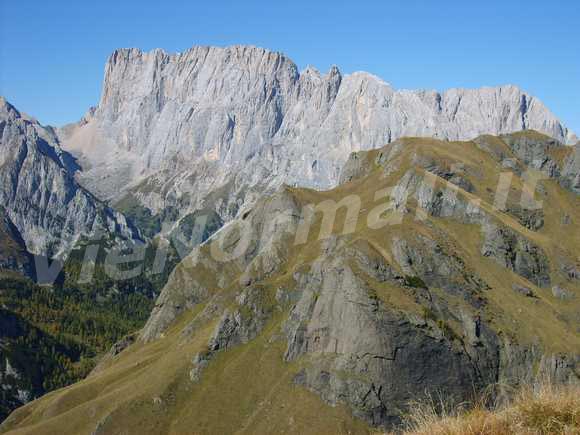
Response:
column 8, row 109
column 3, row 103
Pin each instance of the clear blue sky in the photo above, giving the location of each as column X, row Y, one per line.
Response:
column 52, row 53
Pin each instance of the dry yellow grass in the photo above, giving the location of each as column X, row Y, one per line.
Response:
column 538, row 410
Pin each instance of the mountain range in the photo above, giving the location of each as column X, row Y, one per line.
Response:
column 450, row 274
column 211, row 128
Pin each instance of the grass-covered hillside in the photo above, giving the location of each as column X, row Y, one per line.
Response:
column 434, row 268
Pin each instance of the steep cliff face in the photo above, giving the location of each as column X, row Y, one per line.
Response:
column 171, row 129
column 39, row 194
column 570, row 176
column 287, row 319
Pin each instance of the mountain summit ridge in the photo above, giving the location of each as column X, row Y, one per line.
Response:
column 266, row 123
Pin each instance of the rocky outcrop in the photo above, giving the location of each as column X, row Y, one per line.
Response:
column 264, row 229
column 531, row 219
column 516, row 253
column 40, row 196
column 235, row 327
column 570, row 176
column 363, row 352
column 534, row 151
column 539, row 152
column 526, row 291
column 440, row 269
column 561, row 293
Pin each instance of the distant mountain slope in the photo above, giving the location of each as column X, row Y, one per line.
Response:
column 13, row 253
column 39, row 193
column 51, row 337
column 28, row 357
column 432, row 279
column 211, row 127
